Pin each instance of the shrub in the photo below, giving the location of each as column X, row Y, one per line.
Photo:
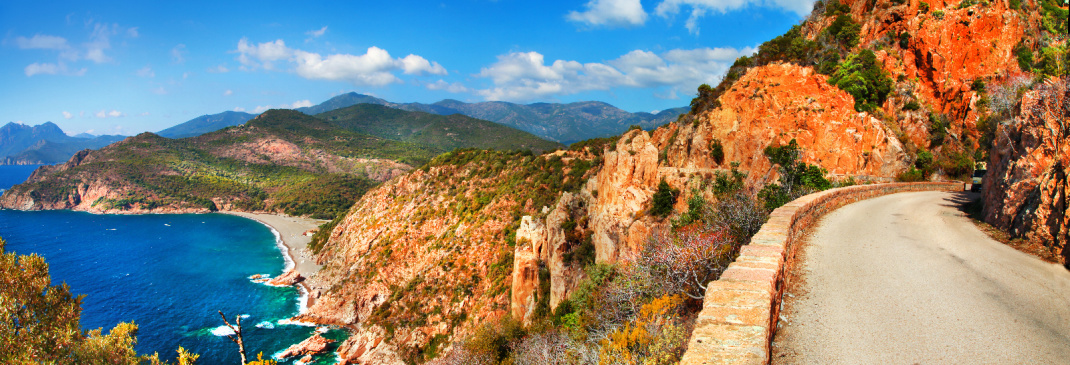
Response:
column 663, row 200
column 493, row 340
column 938, row 14
column 978, row 85
column 912, row 175
column 1025, row 56
column 656, row 337
column 717, row 151
column 862, row 76
column 844, row 30
column 904, row 40
column 912, row 106
column 834, row 7
column 923, row 7
column 703, row 100
column 938, row 124
column 728, row 183
column 796, row 178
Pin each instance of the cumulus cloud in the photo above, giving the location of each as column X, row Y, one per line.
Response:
column 611, row 13
column 228, row 92
column 525, row 76
column 374, row 68
column 67, row 115
column 40, row 41
column 699, row 8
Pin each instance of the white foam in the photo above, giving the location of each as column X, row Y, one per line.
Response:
column 290, row 321
column 265, row 325
column 222, row 331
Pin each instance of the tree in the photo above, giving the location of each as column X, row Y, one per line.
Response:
column 861, row 76
column 664, row 199
column 796, row 178
column 39, row 322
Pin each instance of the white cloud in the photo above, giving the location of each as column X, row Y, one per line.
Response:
column 39, row 41
column 132, row 32
column 178, row 53
column 612, row 13
column 67, row 115
column 699, row 8
column 455, row 88
column 100, row 41
column 239, row 109
column 145, row 114
column 313, row 34
column 186, row 75
column 115, row 114
column 146, row 72
column 102, row 114
column 265, row 53
column 159, row 91
column 297, row 104
column 52, row 69
column 374, row 68
column 526, row 76
column 221, row 69
column 228, row 92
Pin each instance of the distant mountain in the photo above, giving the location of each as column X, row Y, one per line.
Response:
column 44, row 144
column 443, row 132
column 342, row 101
column 206, row 123
column 565, row 123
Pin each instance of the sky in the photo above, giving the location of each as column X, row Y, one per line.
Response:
column 103, row 67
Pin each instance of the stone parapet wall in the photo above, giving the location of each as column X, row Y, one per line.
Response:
column 740, row 311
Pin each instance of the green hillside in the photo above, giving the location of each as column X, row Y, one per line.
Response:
column 444, row 132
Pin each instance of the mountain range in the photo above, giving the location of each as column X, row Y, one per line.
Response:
column 564, row 123
column 21, row 144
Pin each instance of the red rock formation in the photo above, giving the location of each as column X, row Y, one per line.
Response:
column 1026, row 191
column 289, row 278
column 310, row 346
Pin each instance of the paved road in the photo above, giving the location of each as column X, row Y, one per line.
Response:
column 908, row 279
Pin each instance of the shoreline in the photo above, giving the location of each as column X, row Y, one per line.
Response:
column 289, row 236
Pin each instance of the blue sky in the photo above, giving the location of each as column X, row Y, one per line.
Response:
column 128, row 67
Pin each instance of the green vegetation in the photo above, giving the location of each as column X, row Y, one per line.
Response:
column 1055, row 17
column 439, row 132
column 844, row 30
column 796, row 178
column 862, row 76
column 663, row 200
column 717, row 151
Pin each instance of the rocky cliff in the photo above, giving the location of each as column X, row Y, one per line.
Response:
column 422, row 259
column 1026, row 191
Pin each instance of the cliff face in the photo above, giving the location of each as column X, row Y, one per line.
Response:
column 1026, row 190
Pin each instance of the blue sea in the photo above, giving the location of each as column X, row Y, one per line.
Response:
column 169, row 274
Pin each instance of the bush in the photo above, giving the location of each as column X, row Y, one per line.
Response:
column 844, row 30
column 703, row 100
column 862, row 76
column 912, row 175
column 938, row 124
column 923, row 7
column 904, row 40
column 796, row 178
column 717, row 151
column 663, row 200
column 1025, row 56
column 938, row 14
column 912, row 106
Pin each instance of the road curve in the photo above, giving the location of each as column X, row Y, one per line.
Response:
column 908, row 279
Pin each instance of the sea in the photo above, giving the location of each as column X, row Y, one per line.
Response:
column 170, row 274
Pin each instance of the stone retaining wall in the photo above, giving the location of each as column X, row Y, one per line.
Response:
column 740, row 311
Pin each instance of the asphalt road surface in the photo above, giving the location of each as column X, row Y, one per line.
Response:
column 908, row 279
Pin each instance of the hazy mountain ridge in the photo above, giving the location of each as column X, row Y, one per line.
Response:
column 206, row 123
column 565, row 123
column 44, row 144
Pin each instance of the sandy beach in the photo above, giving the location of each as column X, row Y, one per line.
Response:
column 291, row 230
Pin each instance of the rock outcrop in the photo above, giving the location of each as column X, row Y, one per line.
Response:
column 1026, row 191
column 310, row 346
column 288, row 278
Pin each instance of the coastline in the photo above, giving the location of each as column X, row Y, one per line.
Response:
column 289, row 233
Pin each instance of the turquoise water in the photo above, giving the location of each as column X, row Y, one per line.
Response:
column 167, row 273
